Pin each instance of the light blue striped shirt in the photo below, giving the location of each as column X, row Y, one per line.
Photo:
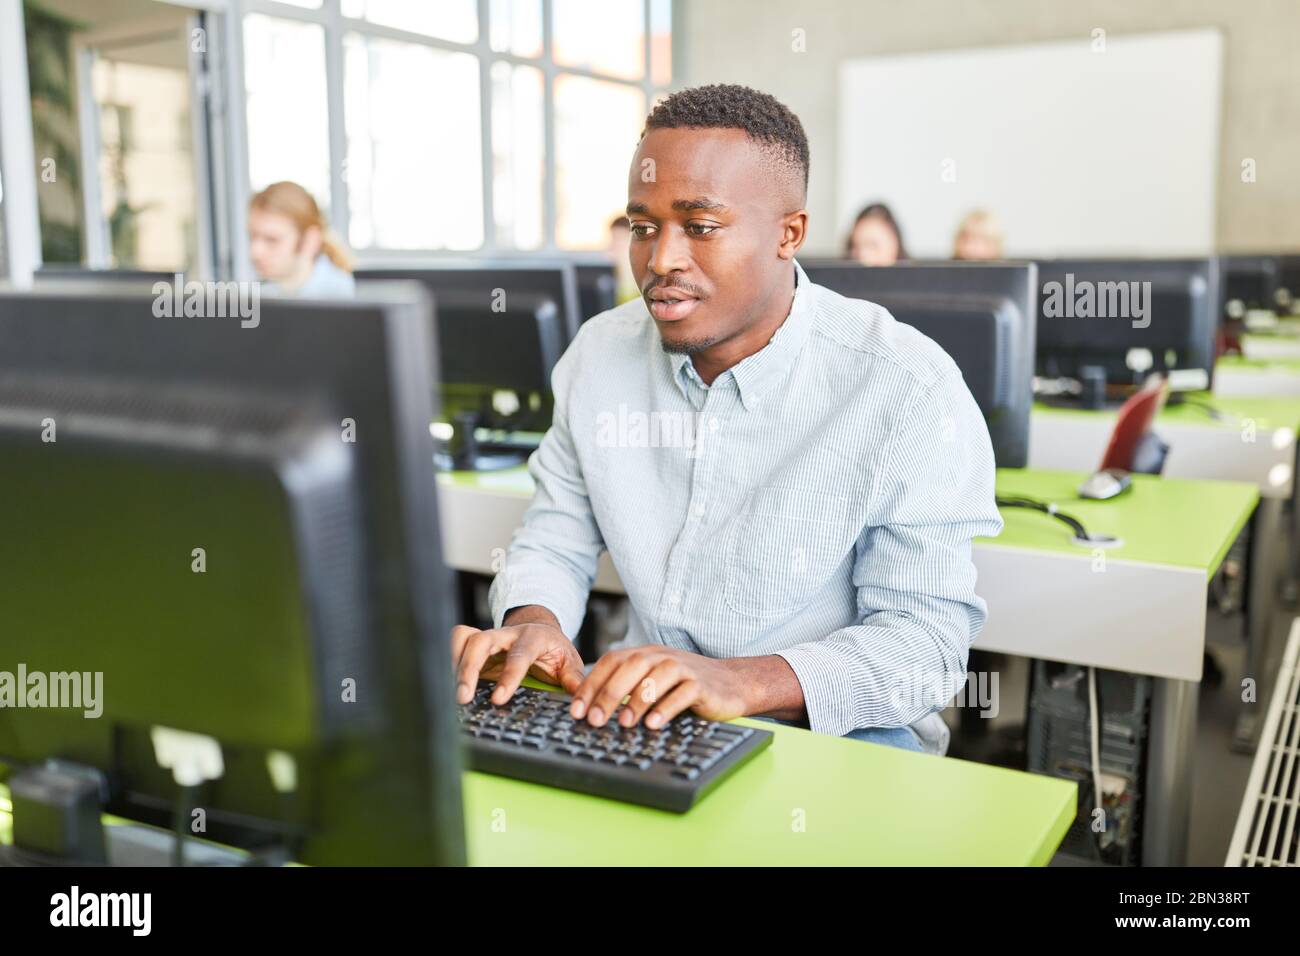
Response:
column 817, row 501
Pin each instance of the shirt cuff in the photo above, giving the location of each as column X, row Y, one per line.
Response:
column 567, row 602
column 827, row 687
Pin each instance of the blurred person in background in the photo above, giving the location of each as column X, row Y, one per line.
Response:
column 620, row 241
column 293, row 251
column 978, row 237
column 875, row 239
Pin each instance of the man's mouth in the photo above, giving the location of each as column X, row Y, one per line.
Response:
column 671, row 305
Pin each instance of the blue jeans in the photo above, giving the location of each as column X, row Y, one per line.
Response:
column 903, row 738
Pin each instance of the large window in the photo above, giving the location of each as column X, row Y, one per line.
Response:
column 288, row 113
column 455, row 125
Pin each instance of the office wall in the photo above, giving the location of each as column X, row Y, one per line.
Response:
column 1109, row 149
column 754, row 42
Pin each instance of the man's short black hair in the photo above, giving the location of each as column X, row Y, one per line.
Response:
column 762, row 116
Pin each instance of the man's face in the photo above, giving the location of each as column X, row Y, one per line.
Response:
column 275, row 245
column 711, row 241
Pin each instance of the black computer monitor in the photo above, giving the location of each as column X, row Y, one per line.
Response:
column 597, row 288
column 237, row 529
column 82, row 275
column 514, row 349
column 496, row 378
column 495, row 280
column 980, row 314
column 1095, row 314
column 1249, row 282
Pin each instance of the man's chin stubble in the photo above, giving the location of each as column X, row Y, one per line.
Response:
column 686, row 346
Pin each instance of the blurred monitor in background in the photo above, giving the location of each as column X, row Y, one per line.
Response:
column 979, row 237
column 875, row 239
column 292, row 249
column 620, row 239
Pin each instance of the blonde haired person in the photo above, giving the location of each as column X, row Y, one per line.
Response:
column 978, row 237
column 291, row 246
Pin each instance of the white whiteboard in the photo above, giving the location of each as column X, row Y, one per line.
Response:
column 1076, row 152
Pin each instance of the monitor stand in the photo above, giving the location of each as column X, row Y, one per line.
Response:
column 58, row 821
column 1091, row 395
column 484, row 461
column 465, row 452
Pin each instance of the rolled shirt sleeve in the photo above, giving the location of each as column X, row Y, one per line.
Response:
column 553, row 556
column 918, row 613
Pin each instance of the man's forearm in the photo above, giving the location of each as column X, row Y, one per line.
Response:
column 770, row 686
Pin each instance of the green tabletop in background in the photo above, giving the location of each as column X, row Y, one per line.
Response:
column 1241, row 363
column 1265, row 412
column 1183, row 522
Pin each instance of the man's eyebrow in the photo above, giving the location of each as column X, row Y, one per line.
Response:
column 704, row 203
column 680, row 205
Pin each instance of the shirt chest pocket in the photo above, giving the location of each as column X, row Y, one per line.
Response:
column 784, row 548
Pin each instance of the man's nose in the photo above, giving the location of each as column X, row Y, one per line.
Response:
column 670, row 253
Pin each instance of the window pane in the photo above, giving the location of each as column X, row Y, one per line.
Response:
column 596, row 129
column 604, row 36
column 4, row 255
column 661, row 42
column 305, row 4
column 288, row 119
column 415, row 175
column 455, row 20
column 518, row 142
column 516, row 27
column 146, row 165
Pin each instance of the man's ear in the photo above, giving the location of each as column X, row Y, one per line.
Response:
column 794, row 229
column 310, row 243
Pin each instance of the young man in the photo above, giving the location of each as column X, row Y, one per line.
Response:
column 788, row 481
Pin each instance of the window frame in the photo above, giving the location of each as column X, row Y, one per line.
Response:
column 330, row 17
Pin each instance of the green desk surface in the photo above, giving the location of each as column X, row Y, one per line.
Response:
column 1181, row 522
column 1239, row 363
column 1286, row 326
column 1266, row 412
column 808, row 799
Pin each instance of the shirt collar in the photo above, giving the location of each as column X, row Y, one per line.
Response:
column 757, row 374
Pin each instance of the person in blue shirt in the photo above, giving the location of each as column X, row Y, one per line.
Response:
column 788, row 481
column 292, row 249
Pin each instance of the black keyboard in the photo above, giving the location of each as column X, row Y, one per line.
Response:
column 532, row 737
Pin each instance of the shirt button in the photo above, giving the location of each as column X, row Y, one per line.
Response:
column 675, row 598
column 699, row 511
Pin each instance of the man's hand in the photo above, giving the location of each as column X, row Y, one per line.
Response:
column 662, row 682
column 527, row 643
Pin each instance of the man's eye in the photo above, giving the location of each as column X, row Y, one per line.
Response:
column 700, row 228
column 641, row 230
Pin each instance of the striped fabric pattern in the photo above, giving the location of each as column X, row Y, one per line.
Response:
column 817, row 501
